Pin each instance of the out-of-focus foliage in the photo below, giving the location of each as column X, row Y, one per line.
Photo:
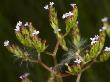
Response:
column 11, row 11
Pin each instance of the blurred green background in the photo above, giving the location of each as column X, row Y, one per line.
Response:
column 11, row 11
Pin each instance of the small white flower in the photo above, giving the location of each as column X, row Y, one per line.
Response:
column 6, row 43
column 35, row 33
column 107, row 49
column 57, row 30
column 64, row 16
column 46, row 7
column 70, row 13
column 17, row 28
column 67, row 15
column 51, row 4
column 73, row 5
column 105, row 19
column 96, row 37
column 103, row 29
column 77, row 61
column 18, row 25
column 94, row 40
column 26, row 24
column 24, row 76
column 100, row 30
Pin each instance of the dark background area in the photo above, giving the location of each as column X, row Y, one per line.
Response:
column 11, row 11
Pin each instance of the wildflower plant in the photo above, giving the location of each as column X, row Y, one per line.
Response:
column 76, row 60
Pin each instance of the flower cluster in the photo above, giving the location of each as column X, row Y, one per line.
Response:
column 50, row 5
column 107, row 49
column 19, row 25
column 66, row 15
column 94, row 40
column 75, row 62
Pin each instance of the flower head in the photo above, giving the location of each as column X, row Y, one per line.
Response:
column 107, row 49
column 51, row 4
column 77, row 61
column 94, row 40
column 67, row 15
column 46, row 7
column 57, row 30
column 18, row 25
column 24, row 76
column 6, row 43
column 73, row 5
column 26, row 24
column 105, row 19
column 35, row 33
column 17, row 28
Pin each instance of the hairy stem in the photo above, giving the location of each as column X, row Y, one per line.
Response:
column 45, row 66
column 78, row 77
column 55, row 52
column 42, row 64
